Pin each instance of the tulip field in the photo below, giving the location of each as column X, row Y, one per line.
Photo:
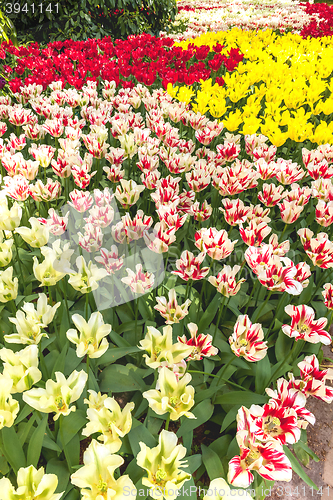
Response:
column 166, row 255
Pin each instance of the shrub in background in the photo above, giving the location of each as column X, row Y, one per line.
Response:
column 7, row 29
column 51, row 20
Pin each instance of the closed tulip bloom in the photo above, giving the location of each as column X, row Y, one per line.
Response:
column 32, row 484
column 216, row 243
column 57, row 396
column 96, row 478
column 91, row 341
column 21, row 367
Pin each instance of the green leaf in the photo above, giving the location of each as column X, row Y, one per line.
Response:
column 220, row 445
column 298, row 468
column 113, row 354
column 263, row 374
column 203, row 412
column 71, row 425
column 210, row 312
column 207, row 393
column 244, row 398
column 229, row 418
column 26, row 410
column 59, row 365
column 118, row 378
column 59, row 468
column 140, row 433
column 194, row 462
column 13, row 448
column 212, row 463
column 188, row 490
column 308, row 450
column 282, row 346
column 36, row 442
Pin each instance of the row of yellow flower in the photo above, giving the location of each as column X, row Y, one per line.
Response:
column 283, row 88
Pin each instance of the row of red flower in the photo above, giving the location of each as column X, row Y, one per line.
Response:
column 144, row 57
column 325, row 25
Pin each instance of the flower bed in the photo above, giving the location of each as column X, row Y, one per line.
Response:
column 201, row 16
column 273, row 91
column 166, row 281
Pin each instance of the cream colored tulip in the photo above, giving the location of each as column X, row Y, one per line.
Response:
column 91, row 341
column 96, row 478
column 163, row 466
column 174, row 395
column 111, row 421
column 57, row 396
column 21, row 367
column 160, row 347
column 37, row 236
column 8, row 285
column 32, row 484
column 9, row 407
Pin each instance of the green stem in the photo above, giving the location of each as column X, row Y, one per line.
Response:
column 286, row 361
column 258, row 312
column 136, row 307
column 61, row 430
column 223, row 370
column 219, row 318
column 88, row 362
column 167, row 422
column 87, row 306
column 65, row 299
column 221, row 378
column 202, row 292
column 188, row 289
column 251, row 295
column 330, row 321
column 42, row 360
column 284, row 230
column 18, row 258
column 277, row 310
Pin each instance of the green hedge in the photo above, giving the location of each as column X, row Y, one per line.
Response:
column 48, row 20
